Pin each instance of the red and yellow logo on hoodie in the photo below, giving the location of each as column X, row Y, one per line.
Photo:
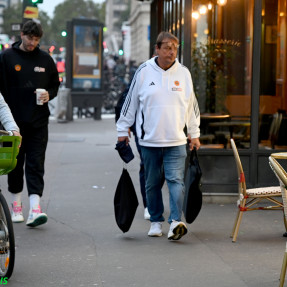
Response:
column 177, row 88
column 18, row 68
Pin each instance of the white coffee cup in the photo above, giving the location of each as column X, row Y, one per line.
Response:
column 38, row 94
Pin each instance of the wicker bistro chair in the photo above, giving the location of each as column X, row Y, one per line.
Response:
column 282, row 177
column 249, row 199
column 281, row 174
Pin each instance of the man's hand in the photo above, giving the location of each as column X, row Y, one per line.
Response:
column 120, row 139
column 15, row 133
column 193, row 143
column 45, row 97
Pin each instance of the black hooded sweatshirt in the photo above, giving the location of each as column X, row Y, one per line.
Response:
column 21, row 73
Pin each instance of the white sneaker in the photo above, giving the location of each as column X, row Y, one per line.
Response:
column 36, row 217
column 177, row 230
column 155, row 229
column 146, row 214
column 16, row 213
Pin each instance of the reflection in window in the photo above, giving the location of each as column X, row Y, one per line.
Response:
column 221, row 70
column 273, row 118
column 173, row 18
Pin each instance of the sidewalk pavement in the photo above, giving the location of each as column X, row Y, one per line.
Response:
column 81, row 245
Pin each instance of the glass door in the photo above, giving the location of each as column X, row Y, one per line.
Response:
column 222, row 34
column 273, row 104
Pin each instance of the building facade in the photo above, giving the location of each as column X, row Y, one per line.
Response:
column 113, row 37
column 139, row 22
column 236, row 52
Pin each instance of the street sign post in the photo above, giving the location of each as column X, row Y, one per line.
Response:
column 16, row 27
column 30, row 9
column 30, row 12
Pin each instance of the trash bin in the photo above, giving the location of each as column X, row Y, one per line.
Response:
column 64, row 105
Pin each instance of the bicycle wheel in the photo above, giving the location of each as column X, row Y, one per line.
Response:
column 7, row 240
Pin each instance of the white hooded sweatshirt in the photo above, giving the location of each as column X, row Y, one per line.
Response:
column 162, row 103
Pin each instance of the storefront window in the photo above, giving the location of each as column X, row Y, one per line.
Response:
column 173, row 21
column 221, row 70
column 273, row 103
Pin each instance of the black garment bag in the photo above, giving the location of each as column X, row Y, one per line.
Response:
column 125, row 202
column 193, row 196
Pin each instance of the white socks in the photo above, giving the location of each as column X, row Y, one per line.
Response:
column 16, row 197
column 34, row 200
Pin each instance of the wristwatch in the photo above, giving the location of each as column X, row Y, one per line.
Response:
column 10, row 133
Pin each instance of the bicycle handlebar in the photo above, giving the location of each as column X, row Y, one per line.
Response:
column 5, row 133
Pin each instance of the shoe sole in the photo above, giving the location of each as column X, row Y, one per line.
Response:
column 155, row 235
column 178, row 232
column 18, row 221
column 38, row 221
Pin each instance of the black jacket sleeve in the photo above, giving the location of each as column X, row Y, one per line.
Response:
column 54, row 80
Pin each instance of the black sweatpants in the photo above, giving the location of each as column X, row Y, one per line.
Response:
column 32, row 157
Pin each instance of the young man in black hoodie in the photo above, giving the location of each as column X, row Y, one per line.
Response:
column 23, row 69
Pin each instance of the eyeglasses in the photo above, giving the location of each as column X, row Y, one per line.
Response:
column 170, row 46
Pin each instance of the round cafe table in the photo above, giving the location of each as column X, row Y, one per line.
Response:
column 213, row 116
column 230, row 125
column 207, row 118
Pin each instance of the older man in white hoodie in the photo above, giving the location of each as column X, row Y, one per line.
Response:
column 162, row 100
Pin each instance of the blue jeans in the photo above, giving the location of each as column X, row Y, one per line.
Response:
column 172, row 160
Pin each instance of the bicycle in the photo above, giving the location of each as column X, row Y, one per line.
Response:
column 9, row 149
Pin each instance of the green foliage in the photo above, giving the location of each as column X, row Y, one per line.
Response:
column 45, row 22
column 210, row 72
column 11, row 15
column 70, row 9
column 63, row 12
